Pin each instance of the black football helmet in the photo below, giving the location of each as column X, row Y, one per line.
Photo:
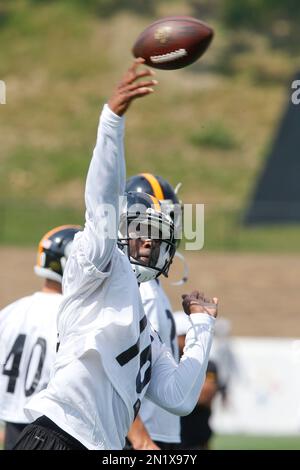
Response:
column 142, row 218
column 163, row 191
column 53, row 251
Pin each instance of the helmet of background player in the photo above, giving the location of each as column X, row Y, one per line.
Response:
column 54, row 249
column 163, row 191
column 141, row 218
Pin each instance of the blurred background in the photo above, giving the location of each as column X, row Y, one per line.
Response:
column 225, row 127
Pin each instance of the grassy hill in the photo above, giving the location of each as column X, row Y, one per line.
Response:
column 209, row 126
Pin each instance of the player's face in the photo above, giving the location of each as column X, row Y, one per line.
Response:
column 145, row 251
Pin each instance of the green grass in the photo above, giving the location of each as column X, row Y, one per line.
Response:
column 247, row 442
column 214, row 135
column 224, row 230
column 210, row 131
column 21, row 219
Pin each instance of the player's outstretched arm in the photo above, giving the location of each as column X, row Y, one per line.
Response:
column 106, row 176
column 176, row 387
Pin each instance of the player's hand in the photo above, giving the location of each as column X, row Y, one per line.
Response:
column 146, row 445
column 139, row 437
column 131, row 87
column 196, row 302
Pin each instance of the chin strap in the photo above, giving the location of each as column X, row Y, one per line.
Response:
column 185, row 276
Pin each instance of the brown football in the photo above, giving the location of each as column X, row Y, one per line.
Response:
column 173, row 42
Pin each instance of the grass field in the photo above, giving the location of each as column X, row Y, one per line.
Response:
column 245, row 442
column 210, row 125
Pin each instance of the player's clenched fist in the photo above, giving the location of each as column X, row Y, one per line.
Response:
column 131, row 87
column 197, row 303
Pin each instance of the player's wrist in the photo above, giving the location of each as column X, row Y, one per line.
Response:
column 203, row 319
column 110, row 113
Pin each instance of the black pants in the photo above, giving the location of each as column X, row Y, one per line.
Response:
column 43, row 434
column 12, row 434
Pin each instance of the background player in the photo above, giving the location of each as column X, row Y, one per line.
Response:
column 28, row 334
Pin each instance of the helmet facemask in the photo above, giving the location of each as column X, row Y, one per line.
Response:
column 157, row 231
column 161, row 189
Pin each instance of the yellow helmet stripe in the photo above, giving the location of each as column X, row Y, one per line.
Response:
column 155, row 203
column 156, row 187
column 48, row 234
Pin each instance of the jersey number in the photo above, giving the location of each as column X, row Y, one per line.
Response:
column 173, row 330
column 144, row 356
column 16, row 355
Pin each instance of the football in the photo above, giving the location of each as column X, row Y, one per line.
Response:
column 173, row 42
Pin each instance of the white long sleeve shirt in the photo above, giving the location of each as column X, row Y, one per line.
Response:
column 109, row 357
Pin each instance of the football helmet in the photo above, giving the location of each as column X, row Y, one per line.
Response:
column 53, row 251
column 141, row 218
column 170, row 203
column 163, row 191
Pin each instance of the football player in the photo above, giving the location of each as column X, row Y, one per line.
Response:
column 28, row 334
column 109, row 358
column 155, row 427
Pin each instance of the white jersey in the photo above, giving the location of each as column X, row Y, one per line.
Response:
column 108, row 352
column 28, row 337
column 160, row 424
